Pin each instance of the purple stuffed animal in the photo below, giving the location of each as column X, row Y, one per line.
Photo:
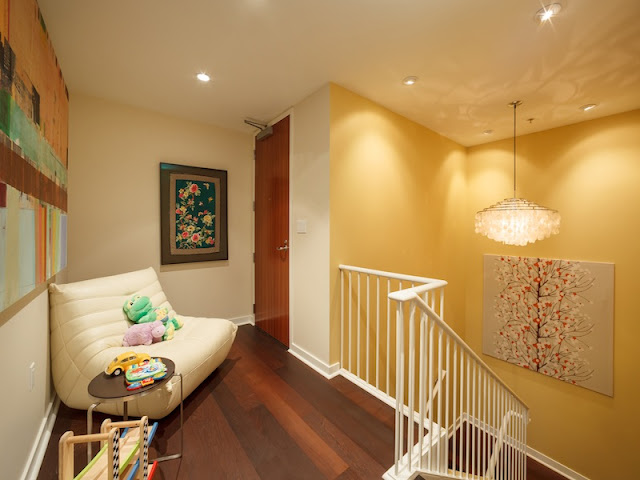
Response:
column 143, row 334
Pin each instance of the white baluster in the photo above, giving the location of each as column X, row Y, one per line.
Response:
column 388, row 331
column 485, row 419
column 455, row 400
column 430, row 375
column 473, row 420
column 516, row 442
column 366, row 336
column 358, row 358
column 502, row 414
column 350, row 303
column 508, row 451
column 525, row 423
column 468, row 411
column 411, row 381
column 446, row 403
column 378, row 332
column 461, row 445
column 421, row 394
column 342, row 318
column 439, row 374
column 399, row 386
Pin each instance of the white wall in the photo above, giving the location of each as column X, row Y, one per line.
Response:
column 309, row 192
column 114, row 202
column 24, row 339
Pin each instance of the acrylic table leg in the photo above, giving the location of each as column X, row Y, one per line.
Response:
column 179, row 454
column 90, row 429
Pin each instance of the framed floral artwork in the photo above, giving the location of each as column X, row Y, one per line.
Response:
column 193, row 214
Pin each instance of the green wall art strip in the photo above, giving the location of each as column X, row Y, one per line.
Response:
column 21, row 130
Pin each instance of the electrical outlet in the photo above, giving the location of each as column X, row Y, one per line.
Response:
column 32, row 376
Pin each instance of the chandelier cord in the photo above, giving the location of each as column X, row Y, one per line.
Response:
column 515, row 105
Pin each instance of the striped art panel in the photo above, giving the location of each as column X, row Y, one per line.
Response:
column 33, row 238
column 41, row 249
column 49, row 242
column 26, row 245
column 34, row 111
column 3, row 242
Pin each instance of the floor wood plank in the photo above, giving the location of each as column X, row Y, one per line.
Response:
column 364, row 429
column 284, row 404
column 368, row 402
column 264, row 415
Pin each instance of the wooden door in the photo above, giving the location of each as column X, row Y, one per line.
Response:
column 272, row 233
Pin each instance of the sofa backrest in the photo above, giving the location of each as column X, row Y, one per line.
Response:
column 87, row 317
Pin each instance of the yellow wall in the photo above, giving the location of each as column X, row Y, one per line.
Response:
column 590, row 172
column 403, row 199
column 397, row 197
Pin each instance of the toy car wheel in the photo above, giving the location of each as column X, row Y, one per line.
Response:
column 117, row 371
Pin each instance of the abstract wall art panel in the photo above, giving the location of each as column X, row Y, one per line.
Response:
column 34, row 109
column 553, row 317
column 32, row 243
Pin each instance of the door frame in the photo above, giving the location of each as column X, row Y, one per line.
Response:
column 289, row 113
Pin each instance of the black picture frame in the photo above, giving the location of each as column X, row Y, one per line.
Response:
column 193, row 214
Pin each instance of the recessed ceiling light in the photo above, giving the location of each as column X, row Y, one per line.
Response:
column 410, row 80
column 547, row 12
column 488, row 132
column 203, row 77
column 589, row 106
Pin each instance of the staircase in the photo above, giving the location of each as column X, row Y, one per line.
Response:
column 455, row 418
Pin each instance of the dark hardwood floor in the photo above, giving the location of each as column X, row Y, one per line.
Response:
column 265, row 415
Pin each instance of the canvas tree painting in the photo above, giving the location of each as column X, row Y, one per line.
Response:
column 553, row 317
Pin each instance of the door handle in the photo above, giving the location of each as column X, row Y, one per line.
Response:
column 283, row 247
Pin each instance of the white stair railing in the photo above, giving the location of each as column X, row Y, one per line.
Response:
column 468, row 423
column 368, row 326
column 455, row 418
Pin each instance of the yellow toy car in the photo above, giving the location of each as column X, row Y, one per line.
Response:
column 123, row 361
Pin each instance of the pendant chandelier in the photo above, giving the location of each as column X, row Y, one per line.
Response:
column 516, row 221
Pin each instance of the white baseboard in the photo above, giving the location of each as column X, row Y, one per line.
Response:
column 369, row 389
column 245, row 320
column 328, row 371
column 555, row 466
column 32, row 468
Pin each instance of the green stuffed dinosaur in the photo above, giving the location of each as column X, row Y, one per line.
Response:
column 140, row 310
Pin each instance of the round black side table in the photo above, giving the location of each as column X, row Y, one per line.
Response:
column 107, row 388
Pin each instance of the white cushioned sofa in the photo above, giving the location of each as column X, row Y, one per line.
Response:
column 87, row 324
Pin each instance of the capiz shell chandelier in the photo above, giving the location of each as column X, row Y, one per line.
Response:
column 516, row 221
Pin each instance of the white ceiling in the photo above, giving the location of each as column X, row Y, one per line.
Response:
column 472, row 58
